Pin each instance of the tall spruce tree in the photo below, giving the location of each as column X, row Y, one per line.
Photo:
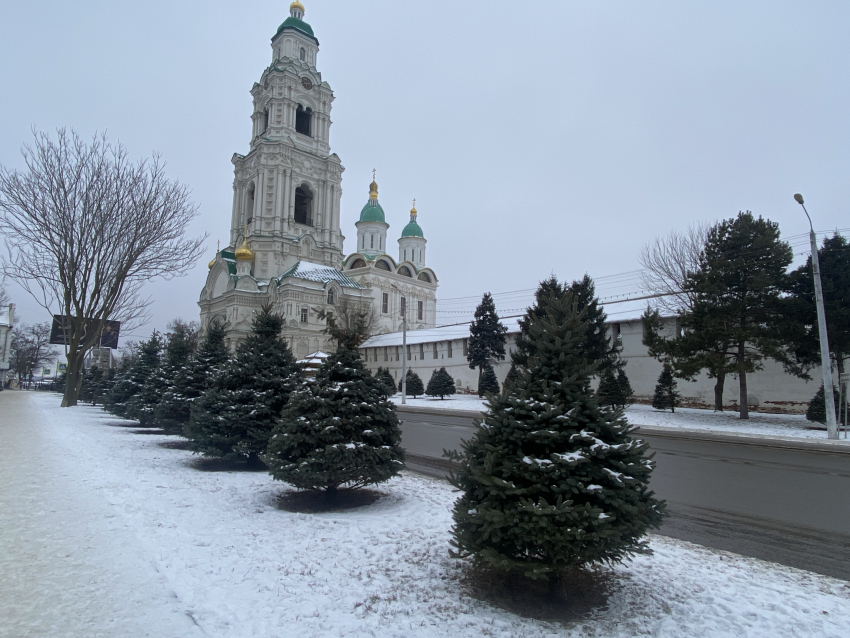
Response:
column 441, row 384
column 550, row 480
column 666, row 396
column 415, row 387
column 339, row 430
column 235, row 416
column 487, row 337
column 174, row 410
column 595, row 344
column 738, row 289
column 127, row 398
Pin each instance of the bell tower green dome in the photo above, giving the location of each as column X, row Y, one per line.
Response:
column 413, row 229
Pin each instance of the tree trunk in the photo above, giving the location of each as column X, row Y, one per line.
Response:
column 742, row 380
column 73, row 379
column 480, row 368
column 718, row 392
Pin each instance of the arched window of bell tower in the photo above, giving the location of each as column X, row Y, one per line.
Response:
column 265, row 120
column 304, row 205
column 303, row 119
column 303, row 54
column 249, row 204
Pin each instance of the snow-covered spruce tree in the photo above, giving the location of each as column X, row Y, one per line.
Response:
column 339, row 430
column 173, row 410
column 89, row 391
column 551, row 480
column 666, row 397
column 415, row 387
column 488, row 383
column 386, row 378
column 816, row 411
column 486, row 338
column 441, row 384
column 123, row 399
column 626, row 392
column 141, row 404
column 235, row 416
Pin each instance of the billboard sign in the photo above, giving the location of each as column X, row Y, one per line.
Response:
column 63, row 326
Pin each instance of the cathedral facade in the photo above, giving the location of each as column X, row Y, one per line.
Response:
column 286, row 246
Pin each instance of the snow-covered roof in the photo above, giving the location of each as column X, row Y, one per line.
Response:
column 315, row 272
column 429, row 335
column 315, row 358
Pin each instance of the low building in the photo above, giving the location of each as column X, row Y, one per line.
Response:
column 769, row 390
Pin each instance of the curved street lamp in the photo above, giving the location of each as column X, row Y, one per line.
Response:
column 826, row 363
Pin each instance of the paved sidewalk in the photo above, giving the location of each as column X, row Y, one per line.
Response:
column 68, row 566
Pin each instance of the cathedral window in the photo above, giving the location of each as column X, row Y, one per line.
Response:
column 249, row 212
column 331, row 297
column 383, row 265
column 303, row 315
column 265, row 120
column 404, row 270
column 358, row 263
column 405, row 255
column 420, row 310
column 303, row 54
column 449, row 349
column 371, row 241
column 385, row 303
column 303, row 119
column 424, row 277
column 303, row 206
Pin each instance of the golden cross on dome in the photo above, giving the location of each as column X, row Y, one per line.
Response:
column 373, row 174
column 414, row 202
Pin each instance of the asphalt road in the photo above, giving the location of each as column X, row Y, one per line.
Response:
column 785, row 501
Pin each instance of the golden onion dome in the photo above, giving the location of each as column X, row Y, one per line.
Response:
column 212, row 263
column 297, row 5
column 243, row 253
column 373, row 190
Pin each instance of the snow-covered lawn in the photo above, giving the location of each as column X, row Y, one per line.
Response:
column 784, row 425
column 240, row 566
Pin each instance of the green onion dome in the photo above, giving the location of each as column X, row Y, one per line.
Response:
column 412, row 229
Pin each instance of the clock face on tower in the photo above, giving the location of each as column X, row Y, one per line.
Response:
column 306, row 83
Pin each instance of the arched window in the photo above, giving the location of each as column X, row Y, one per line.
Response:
column 303, row 205
column 405, row 271
column 303, row 119
column 331, row 296
column 405, row 254
column 249, row 205
column 303, row 54
column 424, row 277
column 265, row 120
column 383, row 265
column 358, row 263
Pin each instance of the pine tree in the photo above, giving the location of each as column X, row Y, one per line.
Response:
column 666, row 397
column 339, row 430
column 550, row 480
column 386, row 378
column 441, row 384
column 415, row 387
column 194, row 379
column 625, row 387
column 141, row 404
column 124, row 399
column 816, row 411
column 235, row 416
column 487, row 336
column 91, row 389
column 488, row 383
column 608, row 392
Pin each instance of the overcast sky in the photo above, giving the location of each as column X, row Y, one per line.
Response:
column 537, row 138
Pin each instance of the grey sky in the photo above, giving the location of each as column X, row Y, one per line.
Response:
column 536, row 137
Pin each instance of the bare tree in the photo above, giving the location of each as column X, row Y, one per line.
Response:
column 354, row 319
column 31, row 349
column 4, row 299
column 667, row 262
column 85, row 229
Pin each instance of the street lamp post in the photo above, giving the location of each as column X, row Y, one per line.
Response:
column 826, row 362
column 403, row 348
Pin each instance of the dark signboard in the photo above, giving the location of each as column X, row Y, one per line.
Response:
column 63, row 326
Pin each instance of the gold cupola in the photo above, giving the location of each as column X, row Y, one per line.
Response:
column 244, row 253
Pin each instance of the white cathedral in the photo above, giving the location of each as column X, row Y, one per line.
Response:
column 285, row 245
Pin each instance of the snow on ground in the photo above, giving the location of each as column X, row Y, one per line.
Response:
column 227, row 557
column 774, row 425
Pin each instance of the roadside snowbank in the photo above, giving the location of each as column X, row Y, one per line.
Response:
column 239, row 566
column 793, row 425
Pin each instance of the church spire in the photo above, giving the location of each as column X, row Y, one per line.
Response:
column 296, row 10
column 373, row 187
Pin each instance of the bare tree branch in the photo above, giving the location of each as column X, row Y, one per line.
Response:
column 86, row 228
column 667, row 262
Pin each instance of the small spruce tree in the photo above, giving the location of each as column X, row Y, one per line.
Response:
column 90, row 389
column 180, row 343
column 487, row 382
column 608, row 392
column 193, row 379
column 666, row 397
column 386, row 378
column 441, row 384
column 550, row 480
column 127, row 398
column 415, row 387
column 625, row 387
column 486, row 338
column 340, row 430
column 235, row 416
column 816, row 412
